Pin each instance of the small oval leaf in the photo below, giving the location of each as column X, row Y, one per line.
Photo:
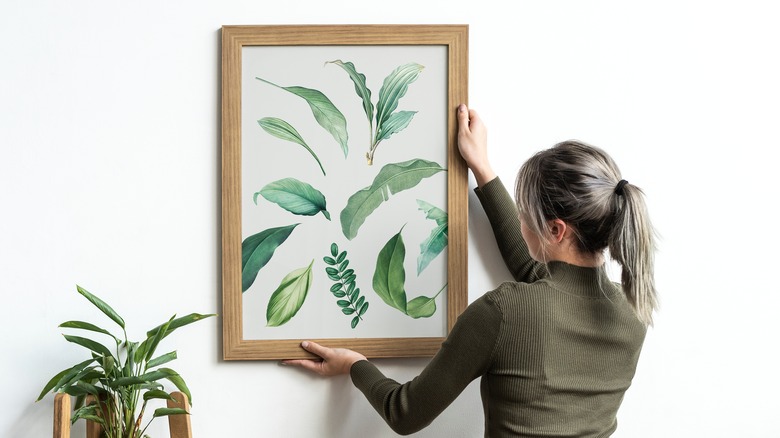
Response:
column 295, row 196
column 288, row 298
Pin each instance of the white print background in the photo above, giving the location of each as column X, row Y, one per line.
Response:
column 266, row 159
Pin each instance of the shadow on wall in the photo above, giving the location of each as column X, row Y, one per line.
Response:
column 487, row 255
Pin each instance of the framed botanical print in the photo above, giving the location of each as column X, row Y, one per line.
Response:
column 344, row 198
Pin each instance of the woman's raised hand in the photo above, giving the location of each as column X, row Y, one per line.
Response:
column 472, row 144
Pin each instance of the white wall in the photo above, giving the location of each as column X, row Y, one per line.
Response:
column 109, row 126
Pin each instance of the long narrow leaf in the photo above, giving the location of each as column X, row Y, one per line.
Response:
column 283, row 130
column 100, row 304
column 157, row 394
column 90, row 344
column 326, row 114
column 178, row 381
column 157, row 338
column 164, row 412
column 52, row 383
column 288, row 298
column 359, row 79
column 87, row 326
column 153, row 376
column 157, row 361
column 180, row 322
column 257, row 250
column 393, row 178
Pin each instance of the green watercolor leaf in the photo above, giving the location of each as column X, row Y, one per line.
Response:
column 288, row 298
column 393, row 178
column 295, row 196
column 432, row 246
column 326, row 114
column 393, row 89
column 396, row 122
column 283, row 130
column 432, row 212
column 359, row 79
column 421, row 307
column 389, row 275
column 257, row 250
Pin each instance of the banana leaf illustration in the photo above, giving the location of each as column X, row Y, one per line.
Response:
column 393, row 178
column 437, row 241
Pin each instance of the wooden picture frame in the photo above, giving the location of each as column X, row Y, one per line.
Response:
column 453, row 39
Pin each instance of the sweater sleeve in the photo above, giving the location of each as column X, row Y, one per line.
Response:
column 502, row 213
column 465, row 355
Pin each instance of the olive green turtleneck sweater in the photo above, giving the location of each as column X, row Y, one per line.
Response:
column 555, row 350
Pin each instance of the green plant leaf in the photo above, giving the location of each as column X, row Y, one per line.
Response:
column 90, row 344
column 154, row 341
column 326, row 114
column 152, row 376
column 393, row 178
column 389, row 276
column 157, row 361
column 52, row 384
column 164, row 412
column 180, row 322
column 283, row 130
column 87, row 326
column 295, row 196
column 359, row 79
column 157, row 394
column 395, row 123
column 432, row 212
column 257, row 250
column 288, row 298
column 421, row 307
column 432, row 246
column 393, row 89
column 100, row 304
column 178, row 381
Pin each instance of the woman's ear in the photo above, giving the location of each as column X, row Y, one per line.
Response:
column 558, row 230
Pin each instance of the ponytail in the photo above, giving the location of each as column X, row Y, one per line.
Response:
column 632, row 244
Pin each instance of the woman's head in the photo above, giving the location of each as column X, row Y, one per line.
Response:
column 581, row 185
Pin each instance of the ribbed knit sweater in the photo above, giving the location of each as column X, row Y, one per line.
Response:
column 556, row 349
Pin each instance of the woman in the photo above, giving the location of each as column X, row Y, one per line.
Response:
column 556, row 349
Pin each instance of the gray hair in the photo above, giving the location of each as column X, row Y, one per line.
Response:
column 575, row 182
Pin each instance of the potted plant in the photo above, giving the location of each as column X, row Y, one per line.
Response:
column 122, row 378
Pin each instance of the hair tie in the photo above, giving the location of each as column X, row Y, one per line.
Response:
column 619, row 187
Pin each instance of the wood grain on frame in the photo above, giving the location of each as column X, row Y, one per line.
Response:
column 234, row 38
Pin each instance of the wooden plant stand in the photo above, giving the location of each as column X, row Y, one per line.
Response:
column 179, row 425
